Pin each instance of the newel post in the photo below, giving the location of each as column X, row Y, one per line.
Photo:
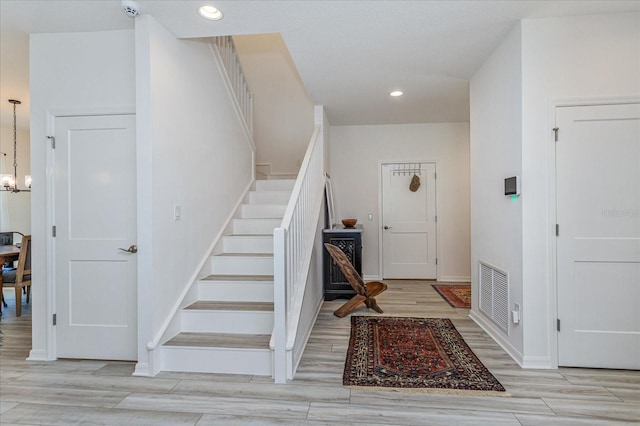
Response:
column 280, row 307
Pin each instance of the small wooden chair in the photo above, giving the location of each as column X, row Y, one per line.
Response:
column 21, row 277
column 365, row 293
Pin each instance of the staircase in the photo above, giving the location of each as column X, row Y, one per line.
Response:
column 228, row 329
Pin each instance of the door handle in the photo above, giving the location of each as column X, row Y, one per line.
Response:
column 132, row 249
column 387, row 227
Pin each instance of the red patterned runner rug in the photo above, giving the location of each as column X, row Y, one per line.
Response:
column 458, row 296
column 414, row 353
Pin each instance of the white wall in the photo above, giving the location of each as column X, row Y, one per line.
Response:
column 15, row 208
column 283, row 112
column 320, row 117
column 192, row 152
column 496, row 141
column 356, row 154
column 586, row 57
column 69, row 72
column 195, row 157
column 560, row 59
column 313, row 293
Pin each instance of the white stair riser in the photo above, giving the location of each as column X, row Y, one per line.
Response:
column 255, row 226
column 262, row 211
column 253, row 233
column 275, row 185
column 242, row 265
column 269, row 197
column 217, row 360
column 235, row 322
column 247, row 244
column 235, row 291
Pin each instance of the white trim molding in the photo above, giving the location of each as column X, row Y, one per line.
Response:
column 498, row 336
column 552, row 359
column 455, row 279
column 381, row 163
column 50, row 352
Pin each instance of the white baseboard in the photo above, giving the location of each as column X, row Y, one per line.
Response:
column 445, row 279
column 371, row 277
column 455, row 279
column 152, row 365
column 265, row 169
column 498, row 336
column 527, row 362
column 39, row 355
column 141, row 370
column 538, row 362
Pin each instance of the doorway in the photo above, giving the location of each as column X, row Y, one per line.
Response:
column 409, row 220
column 598, row 235
column 94, row 206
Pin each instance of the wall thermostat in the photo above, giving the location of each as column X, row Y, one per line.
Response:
column 512, row 186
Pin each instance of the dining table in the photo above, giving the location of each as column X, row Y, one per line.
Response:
column 8, row 253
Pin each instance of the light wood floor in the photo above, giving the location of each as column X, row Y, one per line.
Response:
column 70, row 392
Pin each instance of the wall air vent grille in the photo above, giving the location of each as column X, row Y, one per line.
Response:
column 494, row 295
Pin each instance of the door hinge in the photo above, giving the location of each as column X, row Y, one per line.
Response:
column 55, row 319
column 436, row 218
column 436, row 260
column 435, row 175
column 558, row 324
column 555, row 130
column 53, row 231
column 557, row 230
column 53, row 141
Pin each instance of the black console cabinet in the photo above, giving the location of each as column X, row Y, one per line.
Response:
column 349, row 240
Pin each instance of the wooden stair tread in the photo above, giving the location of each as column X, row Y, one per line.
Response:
column 271, row 219
column 220, row 340
column 231, row 306
column 221, row 277
column 250, row 235
column 245, row 254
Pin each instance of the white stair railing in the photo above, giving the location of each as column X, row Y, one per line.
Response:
column 293, row 244
column 229, row 57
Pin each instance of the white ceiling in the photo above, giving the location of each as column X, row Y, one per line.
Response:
column 349, row 54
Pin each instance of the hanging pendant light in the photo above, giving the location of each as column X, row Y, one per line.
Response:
column 10, row 181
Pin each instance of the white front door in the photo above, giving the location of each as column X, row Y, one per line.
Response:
column 408, row 221
column 598, row 246
column 95, row 216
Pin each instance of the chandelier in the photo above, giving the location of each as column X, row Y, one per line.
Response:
column 10, row 181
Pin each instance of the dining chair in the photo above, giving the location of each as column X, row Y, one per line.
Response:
column 365, row 293
column 6, row 238
column 21, row 276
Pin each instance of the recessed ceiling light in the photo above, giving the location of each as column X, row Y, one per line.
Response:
column 211, row 13
column 396, row 93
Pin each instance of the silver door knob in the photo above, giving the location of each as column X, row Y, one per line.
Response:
column 132, row 249
column 387, row 227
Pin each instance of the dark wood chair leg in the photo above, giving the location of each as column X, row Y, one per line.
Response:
column 351, row 305
column 1, row 290
column 365, row 293
column 18, row 300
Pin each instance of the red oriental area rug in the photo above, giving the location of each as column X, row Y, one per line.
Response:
column 458, row 296
column 415, row 353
